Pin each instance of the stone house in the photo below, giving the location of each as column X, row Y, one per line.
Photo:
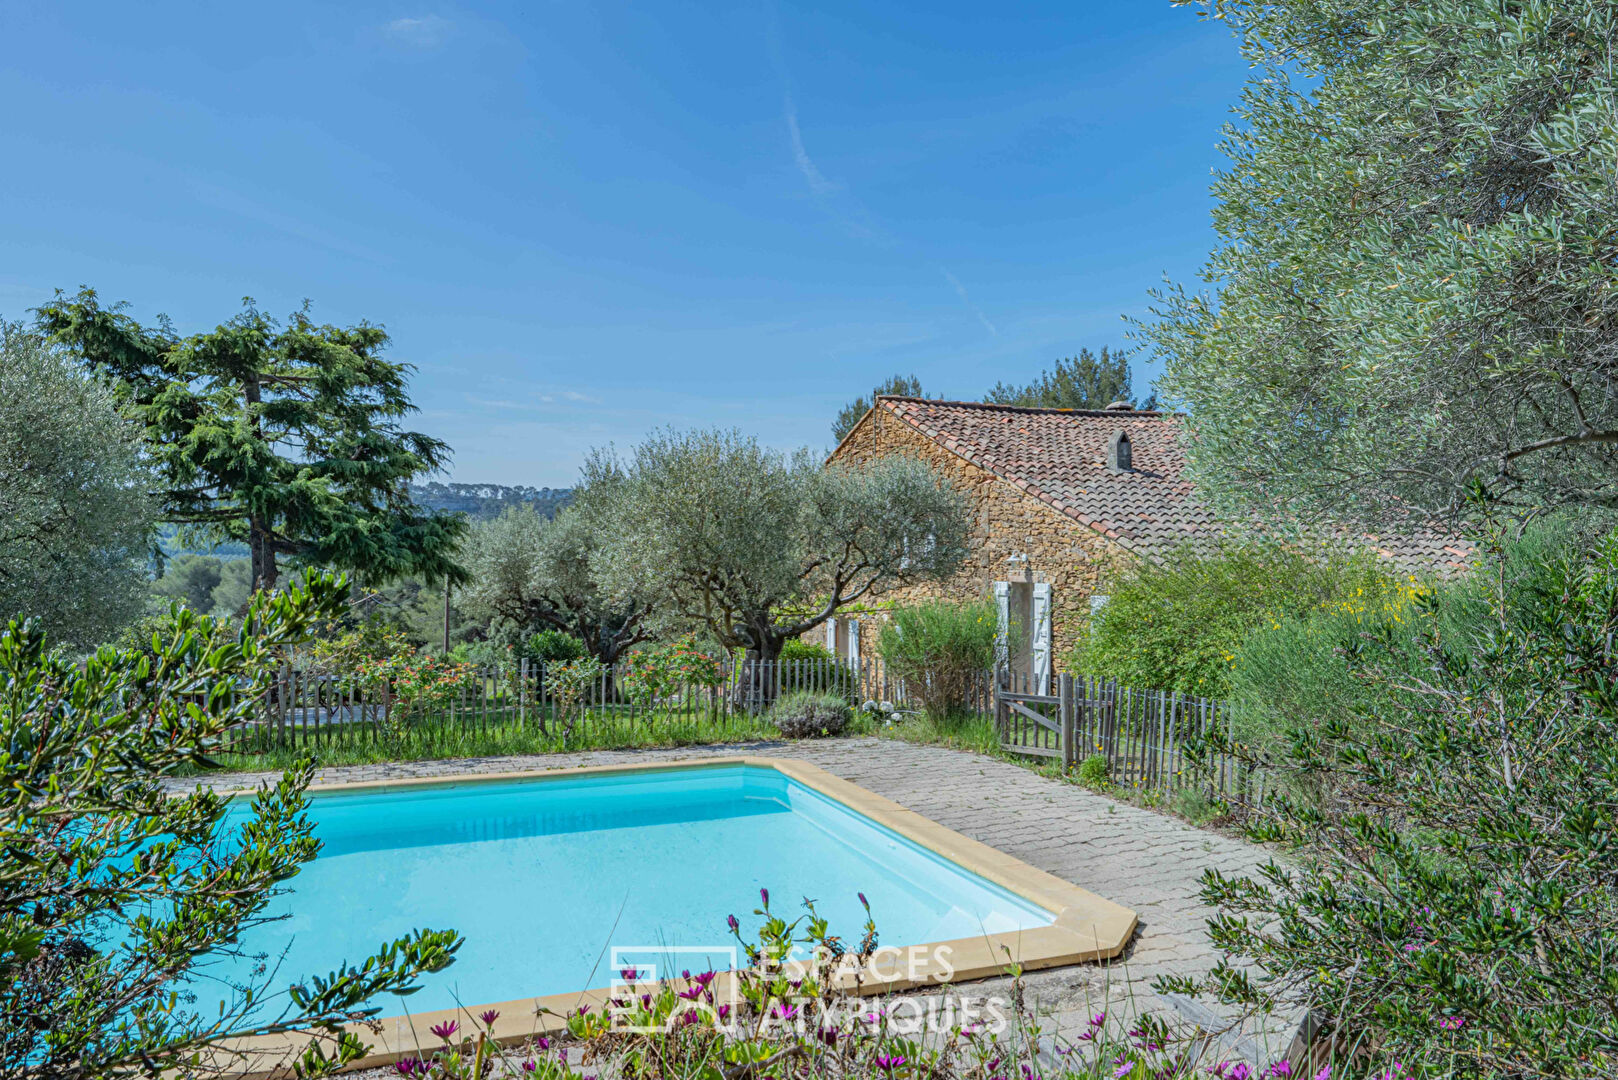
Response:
column 1062, row 500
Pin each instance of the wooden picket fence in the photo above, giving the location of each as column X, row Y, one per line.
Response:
column 1141, row 735
column 307, row 708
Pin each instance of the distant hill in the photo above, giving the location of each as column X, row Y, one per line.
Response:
column 483, row 501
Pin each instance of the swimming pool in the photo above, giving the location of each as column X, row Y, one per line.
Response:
column 545, row 876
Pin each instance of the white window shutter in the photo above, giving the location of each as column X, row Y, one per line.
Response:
column 854, row 644
column 831, row 636
column 1002, row 629
column 1042, row 638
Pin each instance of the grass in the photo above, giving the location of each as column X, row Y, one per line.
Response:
column 435, row 741
column 627, row 729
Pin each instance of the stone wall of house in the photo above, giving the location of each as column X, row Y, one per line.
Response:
column 1007, row 524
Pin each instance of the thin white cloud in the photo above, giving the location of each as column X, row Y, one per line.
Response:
column 419, row 31
column 960, row 290
column 811, row 173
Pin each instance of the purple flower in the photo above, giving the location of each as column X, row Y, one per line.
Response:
column 827, row 1036
column 1324, row 1073
column 863, row 902
column 445, row 1030
column 724, row 1011
column 705, row 978
column 692, row 993
column 530, row 1065
column 686, row 974
column 734, row 925
column 888, row 1064
column 1098, row 1019
column 783, row 1011
column 1240, row 1071
column 764, row 894
column 1451, row 1023
column 1282, row 1068
column 542, row 1043
column 406, row 1067
column 489, row 1016
column 646, row 1001
column 583, row 1009
column 1123, row 1070
column 629, row 974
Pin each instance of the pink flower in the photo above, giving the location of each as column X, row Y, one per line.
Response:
column 445, row 1030
column 489, row 1016
column 1451, row 1023
column 887, row 1063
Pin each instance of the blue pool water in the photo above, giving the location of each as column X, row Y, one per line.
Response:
column 542, row 878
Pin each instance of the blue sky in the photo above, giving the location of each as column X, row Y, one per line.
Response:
column 585, row 221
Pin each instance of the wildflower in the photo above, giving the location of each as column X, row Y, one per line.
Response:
column 764, row 894
column 734, row 925
column 628, row 974
column 783, row 1011
column 1282, row 1068
column 530, row 1066
column 1324, row 1073
column 863, row 902
column 406, row 1067
column 1451, row 1023
column 542, row 1043
column 445, row 1030
column 691, row 993
column 887, row 1063
column 489, row 1016
column 827, row 1036
column 705, row 978
column 1121, row 1071
column 1098, row 1019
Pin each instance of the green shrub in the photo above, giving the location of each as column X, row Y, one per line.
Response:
column 804, row 714
column 799, row 649
column 1178, row 625
column 1093, row 771
column 1456, row 899
column 116, row 892
column 940, row 649
column 555, row 645
column 1294, row 671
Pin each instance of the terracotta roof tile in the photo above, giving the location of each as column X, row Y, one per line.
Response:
column 1060, row 456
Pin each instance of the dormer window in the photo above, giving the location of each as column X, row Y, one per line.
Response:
column 1120, row 454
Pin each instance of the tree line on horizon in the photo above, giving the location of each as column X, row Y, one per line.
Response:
column 1087, row 380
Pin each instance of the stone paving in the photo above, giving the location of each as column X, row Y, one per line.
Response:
column 1147, row 861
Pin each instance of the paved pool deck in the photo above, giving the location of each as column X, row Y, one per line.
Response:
column 1147, row 861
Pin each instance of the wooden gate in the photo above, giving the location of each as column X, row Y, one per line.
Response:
column 1036, row 725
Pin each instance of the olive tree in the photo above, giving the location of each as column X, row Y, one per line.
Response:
column 530, row 573
column 76, row 518
column 757, row 547
column 1416, row 283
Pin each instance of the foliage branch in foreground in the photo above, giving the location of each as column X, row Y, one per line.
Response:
column 1416, row 286
column 113, row 894
column 1452, row 899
